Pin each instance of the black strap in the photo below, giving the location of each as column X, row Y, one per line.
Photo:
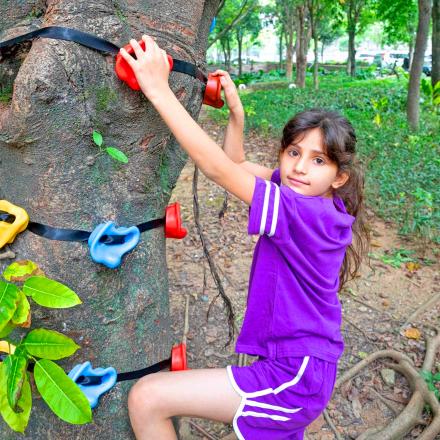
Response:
column 67, row 34
column 6, row 217
column 93, row 42
column 128, row 375
column 136, row 374
column 78, row 235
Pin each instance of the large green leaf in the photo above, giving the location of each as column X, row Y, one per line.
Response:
column 21, row 270
column 16, row 366
column 49, row 344
column 21, row 314
column 50, row 293
column 4, row 332
column 61, row 393
column 16, row 421
column 8, row 302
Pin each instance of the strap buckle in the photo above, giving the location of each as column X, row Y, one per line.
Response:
column 173, row 222
column 213, row 90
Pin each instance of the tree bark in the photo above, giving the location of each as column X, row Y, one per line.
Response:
column 301, row 53
column 435, row 74
column 412, row 106
column 63, row 92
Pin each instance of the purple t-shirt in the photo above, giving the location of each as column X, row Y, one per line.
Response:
column 293, row 307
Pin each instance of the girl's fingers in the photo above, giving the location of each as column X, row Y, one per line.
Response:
column 137, row 48
column 127, row 57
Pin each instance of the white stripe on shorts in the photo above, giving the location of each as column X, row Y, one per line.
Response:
column 266, row 416
column 273, row 407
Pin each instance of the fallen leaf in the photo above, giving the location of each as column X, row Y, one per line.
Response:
column 412, row 266
column 412, row 333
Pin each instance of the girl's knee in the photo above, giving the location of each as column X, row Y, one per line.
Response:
column 145, row 395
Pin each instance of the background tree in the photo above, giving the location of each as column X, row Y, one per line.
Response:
column 303, row 33
column 358, row 15
column 435, row 74
column 413, row 106
column 399, row 18
column 50, row 166
column 247, row 32
column 285, row 11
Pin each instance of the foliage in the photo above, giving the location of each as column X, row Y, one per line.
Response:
column 399, row 18
column 432, row 380
column 113, row 152
column 402, row 178
column 395, row 257
column 40, row 346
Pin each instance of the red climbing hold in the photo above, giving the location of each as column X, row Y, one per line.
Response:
column 173, row 222
column 178, row 358
column 213, row 90
column 125, row 72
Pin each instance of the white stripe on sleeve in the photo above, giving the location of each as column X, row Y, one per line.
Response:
column 265, row 207
column 276, row 205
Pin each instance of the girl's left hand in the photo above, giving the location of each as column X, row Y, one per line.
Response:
column 150, row 67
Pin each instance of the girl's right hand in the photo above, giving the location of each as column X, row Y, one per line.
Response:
column 230, row 91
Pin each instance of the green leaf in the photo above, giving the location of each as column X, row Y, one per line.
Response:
column 50, row 293
column 16, row 366
column 97, row 138
column 436, row 377
column 16, row 421
column 8, row 302
column 117, row 154
column 20, row 270
column 22, row 311
column 4, row 332
column 61, row 394
column 49, row 344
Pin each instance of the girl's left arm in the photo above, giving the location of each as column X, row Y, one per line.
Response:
column 152, row 69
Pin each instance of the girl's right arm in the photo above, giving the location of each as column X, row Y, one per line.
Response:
column 233, row 141
column 152, row 69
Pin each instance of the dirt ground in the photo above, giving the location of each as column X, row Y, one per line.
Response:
column 376, row 306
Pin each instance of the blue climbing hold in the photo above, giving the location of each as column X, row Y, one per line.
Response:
column 213, row 22
column 93, row 382
column 108, row 243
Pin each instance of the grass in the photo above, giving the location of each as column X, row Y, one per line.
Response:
column 402, row 167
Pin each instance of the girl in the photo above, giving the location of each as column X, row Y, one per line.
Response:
column 293, row 313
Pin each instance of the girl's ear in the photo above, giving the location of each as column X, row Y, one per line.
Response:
column 340, row 180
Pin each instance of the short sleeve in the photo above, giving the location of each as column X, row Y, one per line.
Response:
column 276, row 177
column 267, row 210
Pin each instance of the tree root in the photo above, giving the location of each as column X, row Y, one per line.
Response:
column 411, row 416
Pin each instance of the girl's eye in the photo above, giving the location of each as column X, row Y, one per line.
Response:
column 319, row 161
column 293, row 153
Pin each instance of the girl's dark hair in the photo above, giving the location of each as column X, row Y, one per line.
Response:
column 339, row 142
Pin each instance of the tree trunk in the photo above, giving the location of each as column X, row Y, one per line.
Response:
column 435, row 74
column 412, row 108
column 316, row 65
column 351, row 63
column 240, row 46
column 301, row 53
column 50, row 167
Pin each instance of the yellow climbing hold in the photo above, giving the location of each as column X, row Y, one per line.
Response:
column 8, row 231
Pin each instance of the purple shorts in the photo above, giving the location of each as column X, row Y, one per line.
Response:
column 280, row 397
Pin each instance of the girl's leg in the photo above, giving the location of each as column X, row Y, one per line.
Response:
column 156, row 398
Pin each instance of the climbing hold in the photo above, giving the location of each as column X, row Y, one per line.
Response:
column 178, row 358
column 173, row 222
column 16, row 223
column 110, row 249
column 213, row 90
column 93, row 382
column 125, row 72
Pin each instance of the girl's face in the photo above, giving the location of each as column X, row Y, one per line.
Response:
column 306, row 168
